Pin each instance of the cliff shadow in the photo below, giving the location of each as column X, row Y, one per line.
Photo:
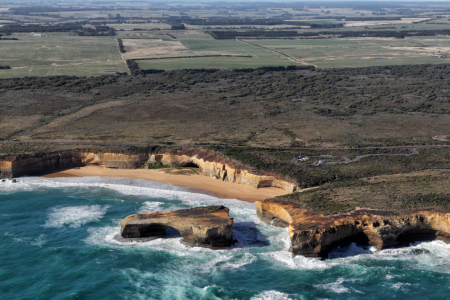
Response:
column 347, row 247
column 171, row 233
column 248, row 235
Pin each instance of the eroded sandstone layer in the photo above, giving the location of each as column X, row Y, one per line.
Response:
column 208, row 226
column 315, row 235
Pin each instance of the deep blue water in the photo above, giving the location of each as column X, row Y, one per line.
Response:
column 56, row 242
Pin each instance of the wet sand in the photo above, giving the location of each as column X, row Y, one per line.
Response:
column 203, row 183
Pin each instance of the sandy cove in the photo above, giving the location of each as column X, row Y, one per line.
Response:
column 205, row 184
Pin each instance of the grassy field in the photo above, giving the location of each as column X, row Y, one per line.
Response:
column 198, row 47
column 60, row 54
column 362, row 52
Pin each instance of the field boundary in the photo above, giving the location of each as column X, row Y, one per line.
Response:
column 195, row 56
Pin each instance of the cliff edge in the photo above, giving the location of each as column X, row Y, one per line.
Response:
column 315, row 236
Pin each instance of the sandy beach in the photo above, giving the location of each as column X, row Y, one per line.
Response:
column 203, row 183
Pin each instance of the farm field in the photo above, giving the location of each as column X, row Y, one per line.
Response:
column 362, row 52
column 60, row 54
column 259, row 57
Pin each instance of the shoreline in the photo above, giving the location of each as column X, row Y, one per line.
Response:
column 203, row 184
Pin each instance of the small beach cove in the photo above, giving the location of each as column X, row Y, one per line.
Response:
column 201, row 183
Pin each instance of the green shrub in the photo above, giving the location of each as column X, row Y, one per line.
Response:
column 157, row 165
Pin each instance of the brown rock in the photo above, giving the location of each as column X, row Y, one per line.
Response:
column 316, row 235
column 208, row 226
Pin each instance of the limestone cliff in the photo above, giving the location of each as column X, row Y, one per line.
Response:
column 223, row 171
column 315, row 235
column 208, row 226
column 14, row 167
column 209, row 165
column 113, row 160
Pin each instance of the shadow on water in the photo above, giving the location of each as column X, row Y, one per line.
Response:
column 171, row 233
column 248, row 235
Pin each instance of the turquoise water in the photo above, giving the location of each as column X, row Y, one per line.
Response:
column 57, row 242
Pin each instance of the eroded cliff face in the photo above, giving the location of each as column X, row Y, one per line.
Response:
column 217, row 169
column 208, row 226
column 316, row 235
column 26, row 166
column 223, row 171
column 113, row 160
column 33, row 165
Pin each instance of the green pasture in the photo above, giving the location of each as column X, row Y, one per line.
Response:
column 260, row 57
column 361, row 52
column 371, row 62
column 82, row 69
column 60, row 54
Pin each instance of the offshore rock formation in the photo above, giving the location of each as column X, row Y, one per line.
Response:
column 315, row 235
column 209, row 226
column 223, row 171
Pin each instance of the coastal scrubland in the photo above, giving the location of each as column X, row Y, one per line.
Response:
column 375, row 106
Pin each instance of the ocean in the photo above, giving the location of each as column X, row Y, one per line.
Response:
column 57, row 242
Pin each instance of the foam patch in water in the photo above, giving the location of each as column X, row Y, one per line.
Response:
column 350, row 251
column 335, row 287
column 75, row 216
column 271, row 295
column 150, row 206
column 133, row 187
column 245, row 260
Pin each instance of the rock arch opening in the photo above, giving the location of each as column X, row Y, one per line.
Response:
column 189, row 164
column 419, row 235
column 360, row 239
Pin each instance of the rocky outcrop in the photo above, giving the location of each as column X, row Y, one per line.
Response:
column 223, row 171
column 315, row 235
column 209, row 226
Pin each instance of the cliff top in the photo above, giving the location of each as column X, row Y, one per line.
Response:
column 400, row 192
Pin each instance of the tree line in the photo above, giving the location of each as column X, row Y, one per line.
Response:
column 76, row 28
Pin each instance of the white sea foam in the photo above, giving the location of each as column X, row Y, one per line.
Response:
column 350, row 251
column 401, row 286
column 245, row 260
column 39, row 241
column 133, row 187
column 75, row 216
column 151, row 206
column 338, row 287
column 271, row 295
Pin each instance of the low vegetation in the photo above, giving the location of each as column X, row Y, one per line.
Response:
column 405, row 191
